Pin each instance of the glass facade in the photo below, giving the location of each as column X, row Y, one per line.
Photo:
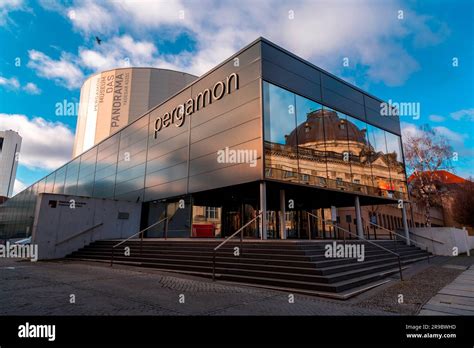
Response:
column 309, row 143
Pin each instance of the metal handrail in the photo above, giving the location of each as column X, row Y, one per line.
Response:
column 240, row 230
column 395, row 233
column 141, row 239
column 377, row 245
column 80, row 233
column 407, row 239
column 431, row 239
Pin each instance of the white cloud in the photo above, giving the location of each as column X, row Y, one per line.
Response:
column 467, row 114
column 7, row 6
column 11, row 83
column 90, row 17
column 436, row 118
column 32, row 88
column 367, row 32
column 18, row 186
column 119, row 52
column 454, row 137
column 63, row 71
column 45, row 145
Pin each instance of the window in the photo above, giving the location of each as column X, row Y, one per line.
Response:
column 304, row 177
column 1, row 144
column 309, row 137
column 280, row 129
column 212, row 213
column 322, row 181
column 339, row 181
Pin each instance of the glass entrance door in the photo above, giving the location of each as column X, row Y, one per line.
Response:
column 234, row 217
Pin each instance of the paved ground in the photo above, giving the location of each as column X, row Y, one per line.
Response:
column 457, row 298
column 421, row 282
column 46, row 288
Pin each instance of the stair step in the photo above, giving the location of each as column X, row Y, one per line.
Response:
column 296, row 265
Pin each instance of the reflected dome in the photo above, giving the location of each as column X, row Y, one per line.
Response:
column 325, row 125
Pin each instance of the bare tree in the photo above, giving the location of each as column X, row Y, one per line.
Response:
column 463, row 203
column 427, row 152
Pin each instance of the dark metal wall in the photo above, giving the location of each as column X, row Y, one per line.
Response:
column 286, row 70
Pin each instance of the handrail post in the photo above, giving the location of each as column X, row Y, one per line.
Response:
column 241, row 242
column 133, row 235
column 214, row 266
column 309, row 225
column 166, row 228
column 239, row 231
column 400, row 268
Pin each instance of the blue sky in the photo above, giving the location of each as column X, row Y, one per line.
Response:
column 398, row 50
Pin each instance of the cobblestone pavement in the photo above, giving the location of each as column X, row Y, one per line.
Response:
column 45, row 288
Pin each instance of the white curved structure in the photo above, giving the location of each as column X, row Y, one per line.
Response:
column 112, row 99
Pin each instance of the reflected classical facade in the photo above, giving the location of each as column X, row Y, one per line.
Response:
column 308, row 143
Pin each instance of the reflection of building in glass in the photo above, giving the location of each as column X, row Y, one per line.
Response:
column 329, row 149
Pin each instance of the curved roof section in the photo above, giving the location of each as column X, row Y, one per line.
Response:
column 325, row 125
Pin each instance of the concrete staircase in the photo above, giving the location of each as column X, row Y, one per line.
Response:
column 297, row 265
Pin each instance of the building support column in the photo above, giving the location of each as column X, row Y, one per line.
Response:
column 360, row 230
column 263, row 210
column 405, row 223
column 282, row 214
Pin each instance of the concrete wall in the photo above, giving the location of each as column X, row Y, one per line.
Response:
column 449, row 237
column 54, row 226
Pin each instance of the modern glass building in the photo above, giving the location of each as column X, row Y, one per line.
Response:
column 263, row 131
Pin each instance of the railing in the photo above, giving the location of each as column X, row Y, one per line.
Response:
column 399, row 235
column 428, row 238
column 80, row 233
column 165, row 233
column 362, row 238
column 241, row 231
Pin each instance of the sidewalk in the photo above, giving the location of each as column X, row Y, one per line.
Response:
column 457, row 298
